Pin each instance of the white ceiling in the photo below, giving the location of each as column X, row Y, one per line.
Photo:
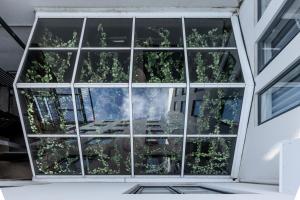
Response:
column 18, row 13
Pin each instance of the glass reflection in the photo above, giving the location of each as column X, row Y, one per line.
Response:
column 48, row 111
column 154, row 111
column 55, row 156
column 214, row 111
column 209, row 156
column 106, row 156
column 214, row 67
column 157, row 156
column 103, row 110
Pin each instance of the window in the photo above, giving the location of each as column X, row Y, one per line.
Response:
column 281, row 96
column 283, row 29
column 108, row 96
column 262, row 6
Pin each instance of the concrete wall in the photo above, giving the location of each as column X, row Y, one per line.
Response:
column 260, row 160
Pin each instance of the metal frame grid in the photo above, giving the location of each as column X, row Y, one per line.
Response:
column 247, row 99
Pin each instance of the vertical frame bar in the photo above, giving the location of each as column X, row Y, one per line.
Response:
column 130, row 97
column 18, row 99
column 247, row 100
column 74, row 98
column 187, row 98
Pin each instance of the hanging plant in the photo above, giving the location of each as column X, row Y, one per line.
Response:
column 54, row 156
column 107, row 66
column 49, row 39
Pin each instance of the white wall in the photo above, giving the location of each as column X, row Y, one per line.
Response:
column 260, row 160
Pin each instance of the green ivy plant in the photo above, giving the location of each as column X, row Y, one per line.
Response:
column 48, row 39
column 107, row 66
column 54, row 157
column 103, row 161
column 213, row 38
column 214, row 161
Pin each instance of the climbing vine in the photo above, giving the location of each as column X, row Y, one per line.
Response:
column 57, row 156
column 106, row 65
column 48, row 39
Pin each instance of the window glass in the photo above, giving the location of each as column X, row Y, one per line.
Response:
column 209, row 33
column 215, row 110
column 48, row 111
column 109, row 32
column 55, row 156
column 153, row 111
column 281, row 96
column 262, row 6
column 103, row 110
column 106, row 156
column 157, row 156
column 57, row 33
column 209, row 156
column 283, row 29
column 103, row 67
column 158, row 33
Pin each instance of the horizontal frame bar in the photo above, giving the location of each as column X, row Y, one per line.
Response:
column 211, row 48
column 158, row 48
column 159, row 85
column 217, row 85
column 211, row 136
column 105, row 136
column 53, row 48
column 101, row 85
column 105, row 48
column 156, row 136
column 43, row 85
column 51, row 136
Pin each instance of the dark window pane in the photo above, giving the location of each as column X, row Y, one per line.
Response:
column 55, row 156
column 158, row 33
column 262, row 6
column 108, row 32
column 57, row 33
column 103, row 110
column 106, row 156
column 209, row 33
column 214, row 67
column 215, row 111
column 48, row 67
column 209, row 156
column 158, row 67
column 48, row 111
column 157, row 156
column 282, row 30
column 153, row 112
column 280, row 96
column 103, row 67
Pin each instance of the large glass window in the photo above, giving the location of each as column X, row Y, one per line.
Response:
column 125, row 96
column 281, row 96
column 283, row 29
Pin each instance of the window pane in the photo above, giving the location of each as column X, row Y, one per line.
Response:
column 55, row 156
column 281, row 96
column 209, row 33
column 155, row 190
column 103, row 110
column 157, row 156
column 48, row 67
column 214, row 66
column 283, row 29
column 262, row 6
column 158, row 67
column 214, row 110
column 195, row 190
column 57, row 33
column 209, row 156
column 106, row 156
column 48, row 111
column 153, row 111
column 103, row 67
column 158, row 33
column 108, row 32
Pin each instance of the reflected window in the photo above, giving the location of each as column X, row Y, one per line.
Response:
column 55, row 156
column 48, row 111
column 157, row 156
column 281, row 96
column 153, row 112
column 103, row 110
column 209, row 156
column 215, row 111
column 262, row 6
column 282, row 30
column 109, row 32
column 106, row 156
